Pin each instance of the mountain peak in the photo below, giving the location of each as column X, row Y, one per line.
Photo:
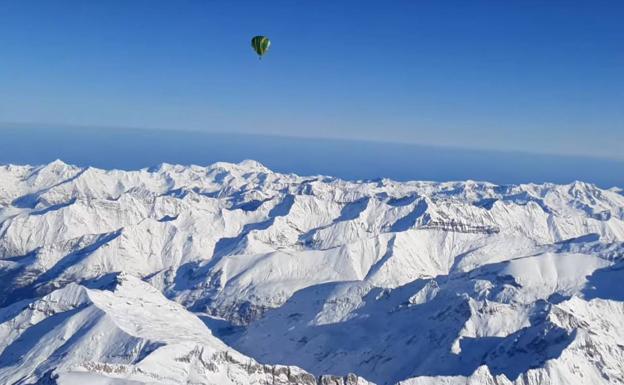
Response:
column 253, row 165
column 109, row 272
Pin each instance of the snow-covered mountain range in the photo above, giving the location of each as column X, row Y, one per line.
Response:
column 234, row 274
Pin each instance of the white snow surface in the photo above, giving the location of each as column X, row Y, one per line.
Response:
column 118, row 277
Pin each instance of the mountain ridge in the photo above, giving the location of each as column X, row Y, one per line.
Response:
column 339, row 274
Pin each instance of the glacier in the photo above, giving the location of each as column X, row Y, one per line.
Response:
column 235, row 274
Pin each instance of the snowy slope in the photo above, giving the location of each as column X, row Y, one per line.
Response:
column 125, row 332
column 420, row 282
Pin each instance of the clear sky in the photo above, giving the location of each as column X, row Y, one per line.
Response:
column 543, row 76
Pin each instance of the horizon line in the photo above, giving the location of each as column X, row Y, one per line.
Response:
column 40, row 125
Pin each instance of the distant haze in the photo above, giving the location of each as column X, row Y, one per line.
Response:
column 349, row 159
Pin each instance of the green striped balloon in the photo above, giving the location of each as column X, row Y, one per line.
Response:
column 260, row 44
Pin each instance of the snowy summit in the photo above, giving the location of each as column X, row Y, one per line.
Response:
column 234, row 274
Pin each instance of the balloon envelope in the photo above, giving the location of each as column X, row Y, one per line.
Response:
column 260, row 44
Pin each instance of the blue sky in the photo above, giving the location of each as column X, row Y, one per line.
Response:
column 543, row 76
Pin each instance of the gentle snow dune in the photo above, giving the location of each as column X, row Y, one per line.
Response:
column 104, row 273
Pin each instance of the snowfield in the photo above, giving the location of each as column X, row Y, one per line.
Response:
column 234, row 274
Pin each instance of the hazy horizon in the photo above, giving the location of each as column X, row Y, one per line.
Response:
column 347, row 159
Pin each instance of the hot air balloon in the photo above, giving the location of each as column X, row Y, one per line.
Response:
column 261, row 45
